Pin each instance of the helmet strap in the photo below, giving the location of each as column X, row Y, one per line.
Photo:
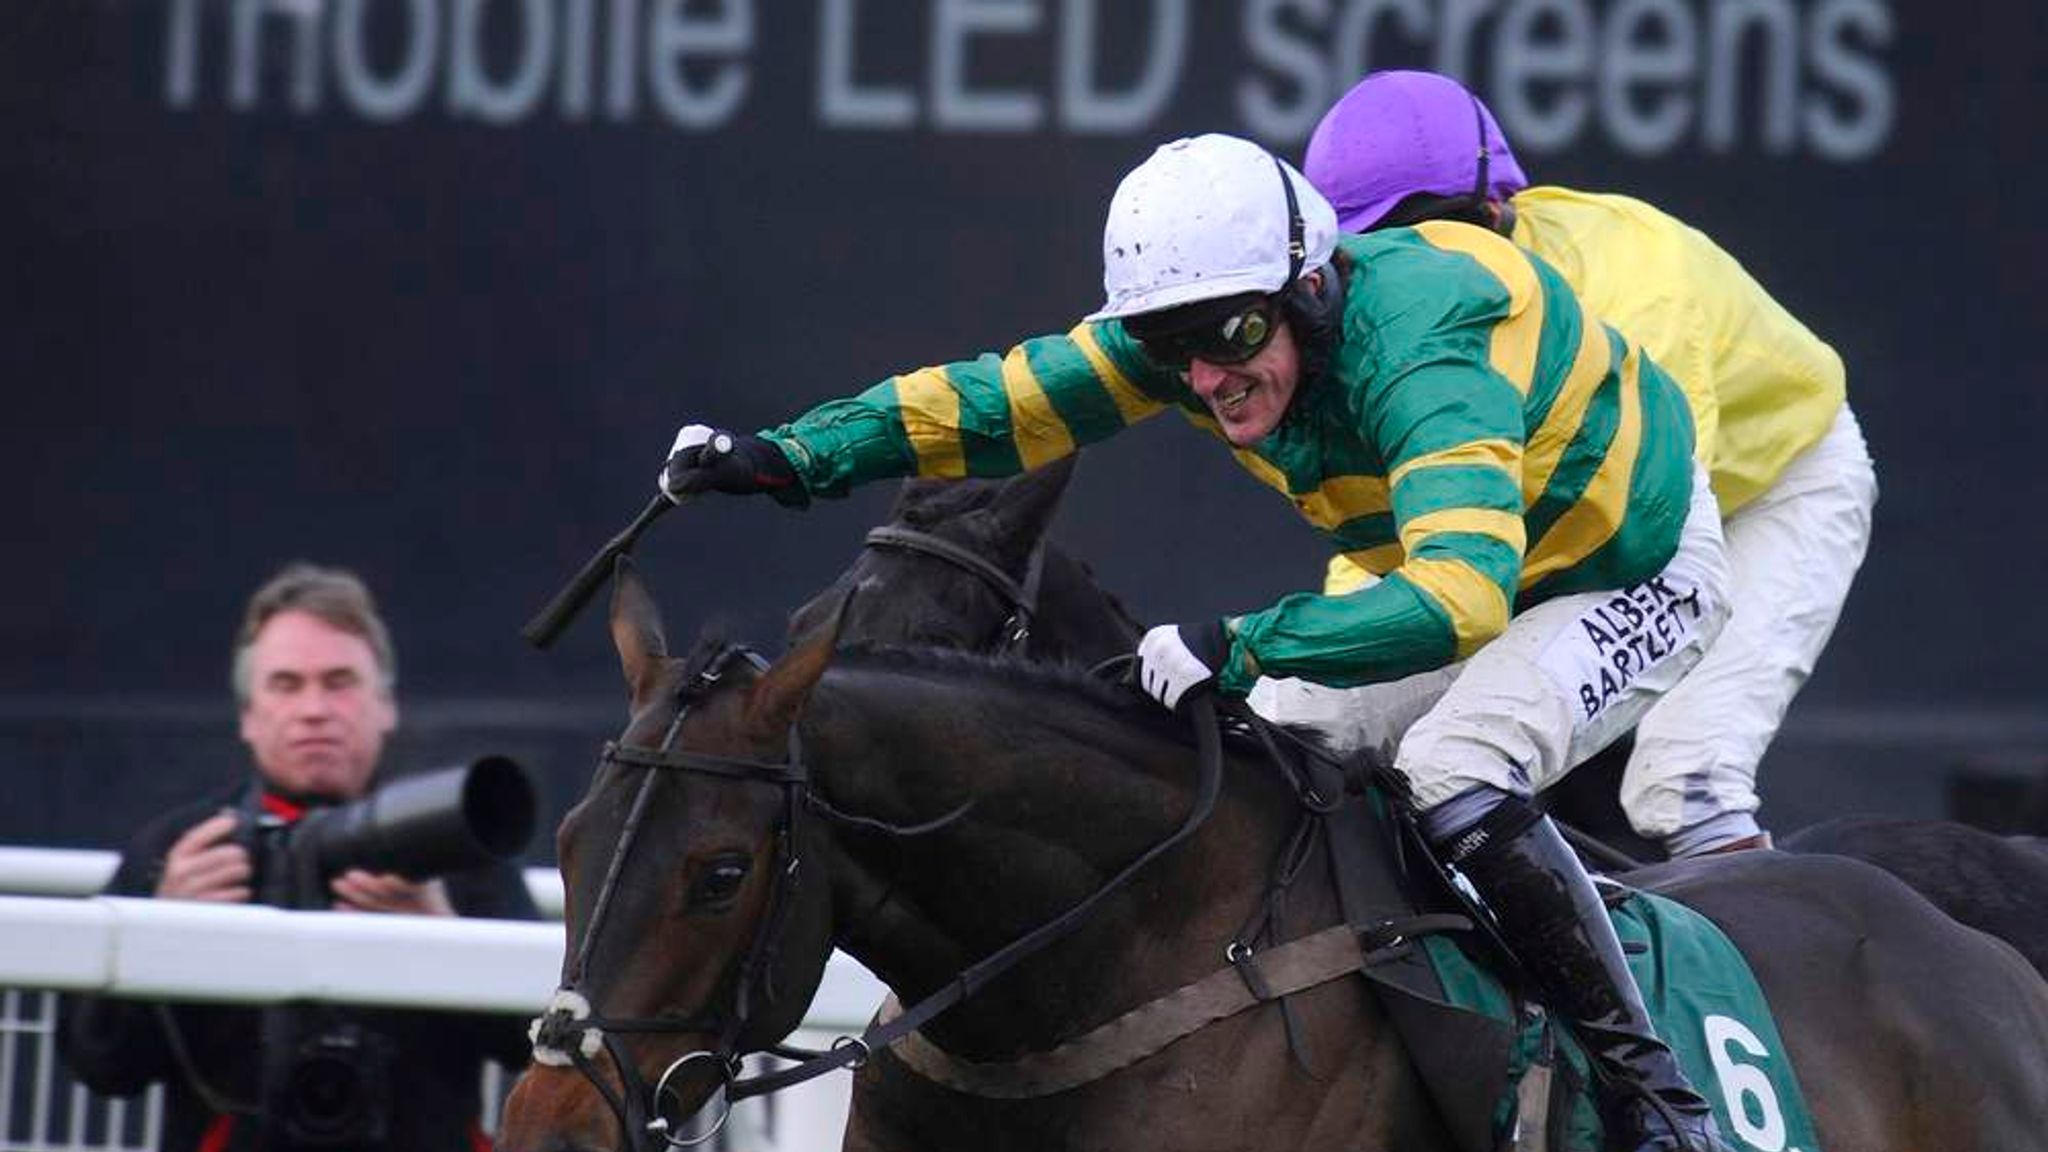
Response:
column 1479, row 184
column 1297, row 229
column 1314, row 310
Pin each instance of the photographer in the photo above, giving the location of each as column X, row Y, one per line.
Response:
column 313, row 675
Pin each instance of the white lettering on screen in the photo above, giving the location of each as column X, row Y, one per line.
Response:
column 1643, row 77
column 1651, row 48
column 473, row 91
column 1542, row 60
column 397, row 95
column 675, row 36
column 842, row 101
column 956, row 26
column 1305, row 90
column 1086, row 107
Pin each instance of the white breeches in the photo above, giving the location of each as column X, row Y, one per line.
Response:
column 1561, row 682
column 1792, row 553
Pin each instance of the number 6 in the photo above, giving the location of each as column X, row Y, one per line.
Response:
column 1742, row 1083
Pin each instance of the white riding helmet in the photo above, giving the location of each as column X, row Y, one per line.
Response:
column 1206, row 217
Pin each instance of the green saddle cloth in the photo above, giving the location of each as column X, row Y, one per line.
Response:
column 1706, row 1005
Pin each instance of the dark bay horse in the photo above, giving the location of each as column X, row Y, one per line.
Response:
column 1996, row 884
column 921, row 809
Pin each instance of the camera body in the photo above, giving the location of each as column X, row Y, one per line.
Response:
column 334, row 1089
column 327, row 1078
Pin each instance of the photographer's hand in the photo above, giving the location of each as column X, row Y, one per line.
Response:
column 358, row 891
column 207, row 864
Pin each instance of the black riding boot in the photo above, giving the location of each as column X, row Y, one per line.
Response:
column 1551, row 916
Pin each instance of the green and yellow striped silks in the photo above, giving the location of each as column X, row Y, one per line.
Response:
column 1476, row 440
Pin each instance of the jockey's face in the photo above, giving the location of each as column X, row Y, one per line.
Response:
column 1249, row 398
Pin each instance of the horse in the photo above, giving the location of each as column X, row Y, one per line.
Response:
column 1996, row 884
column 924, row 809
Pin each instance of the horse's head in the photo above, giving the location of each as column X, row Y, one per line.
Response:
column 952, row 568
column 965, row 565
column 695, row 933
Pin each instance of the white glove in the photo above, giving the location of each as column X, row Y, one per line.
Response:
column 1175, row 659
column 707, row 459
column 690, row 436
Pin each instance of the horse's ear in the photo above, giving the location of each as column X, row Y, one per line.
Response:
column 911, row 497
column 636, row 625
column 925, row 502
column 1030, row 501
column 779, row 696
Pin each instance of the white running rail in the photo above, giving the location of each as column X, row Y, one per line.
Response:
column 57, row 939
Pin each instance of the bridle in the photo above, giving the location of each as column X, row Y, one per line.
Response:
column 1015, row 631
column 571, row 1034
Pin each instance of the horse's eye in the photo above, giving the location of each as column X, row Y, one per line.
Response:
column 718, row 884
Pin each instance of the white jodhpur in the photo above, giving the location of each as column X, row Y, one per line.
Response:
column 1561, row 682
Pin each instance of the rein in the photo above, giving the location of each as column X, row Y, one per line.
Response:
column 1376, row 937
column 570, row 1033
column 884, row 1033
column 1015, row 631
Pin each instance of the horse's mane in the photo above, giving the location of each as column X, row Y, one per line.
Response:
column 1004, row 670
column 1009, row 671
column 1016, row 672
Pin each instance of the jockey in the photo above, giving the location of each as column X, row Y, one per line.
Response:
column 1435, row 401
column 1787, row 461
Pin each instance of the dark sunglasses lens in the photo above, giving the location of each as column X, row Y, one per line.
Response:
column 1236, row 339
column 1248, row 331
column 1170, row 351
column 1232, row 340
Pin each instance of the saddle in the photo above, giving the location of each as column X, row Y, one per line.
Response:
column 1505, row 1076
column 1396, row 899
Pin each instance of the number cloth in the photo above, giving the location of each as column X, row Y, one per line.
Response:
column 1706, row 1004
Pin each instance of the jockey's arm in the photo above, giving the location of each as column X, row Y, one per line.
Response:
column 994, row 415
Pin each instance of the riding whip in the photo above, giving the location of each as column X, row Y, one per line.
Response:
column 549, row 622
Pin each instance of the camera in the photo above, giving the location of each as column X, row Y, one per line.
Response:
column 334, row 1091
column 419, row 827
column 327, row 1079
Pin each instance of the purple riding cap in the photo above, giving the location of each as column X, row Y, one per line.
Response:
column 1399, row 133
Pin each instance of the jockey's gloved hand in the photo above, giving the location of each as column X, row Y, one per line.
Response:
column 1176, row 659
column 706, row 459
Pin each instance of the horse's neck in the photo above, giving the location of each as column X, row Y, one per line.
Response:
column 1064, row 795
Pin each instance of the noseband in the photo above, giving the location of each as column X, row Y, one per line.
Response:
column 1015, row 632
column 570, row 1034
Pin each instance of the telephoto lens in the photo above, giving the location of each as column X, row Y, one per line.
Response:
column 427, row 825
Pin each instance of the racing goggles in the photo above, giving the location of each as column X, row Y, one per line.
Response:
column 1227, row 331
